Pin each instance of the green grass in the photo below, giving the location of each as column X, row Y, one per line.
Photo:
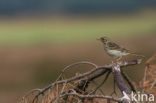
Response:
column 29, row 31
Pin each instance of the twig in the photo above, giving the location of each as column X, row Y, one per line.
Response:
column 74, row 64
column 30, row 92
column 125, row 76
column 153, row 84
column 102, row 72
column 106, row 77
column 144, row 78
column 99, row 88
column 93, row 96
column 70, row 79
column 87, row 74
column 118, row 78
column 89, row 79
column 56, row 101
column 114, row 88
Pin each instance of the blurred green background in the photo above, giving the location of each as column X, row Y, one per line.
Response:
column 38, row 38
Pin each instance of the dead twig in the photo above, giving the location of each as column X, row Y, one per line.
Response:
column 74, row 64
column 114, row 88
column 106, row 77
column 92, row 96
column 70, row 79
column 125, row 76
column 88, row 77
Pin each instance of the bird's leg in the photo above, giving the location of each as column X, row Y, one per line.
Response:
column 118, row 59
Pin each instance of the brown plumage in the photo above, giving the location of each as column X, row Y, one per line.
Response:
column 114, row 50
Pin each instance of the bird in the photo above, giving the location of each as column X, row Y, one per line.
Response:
column 114, row 50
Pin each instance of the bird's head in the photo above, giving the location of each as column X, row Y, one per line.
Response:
column 104, row 39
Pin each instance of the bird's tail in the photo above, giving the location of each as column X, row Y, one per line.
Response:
column 138, row 55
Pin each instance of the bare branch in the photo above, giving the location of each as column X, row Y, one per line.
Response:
column 125, row 76
column 118, row 78
column 114, row 88
column 93, row 96
column 91, row 75
column 60, row 93
column 106, row 77
column 74, row 64
column 70, row 79
column 153, row 84
column 30, row 92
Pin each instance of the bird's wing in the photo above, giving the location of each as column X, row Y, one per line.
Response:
column 112, row 45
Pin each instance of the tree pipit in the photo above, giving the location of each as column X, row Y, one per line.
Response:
column 114, row 50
